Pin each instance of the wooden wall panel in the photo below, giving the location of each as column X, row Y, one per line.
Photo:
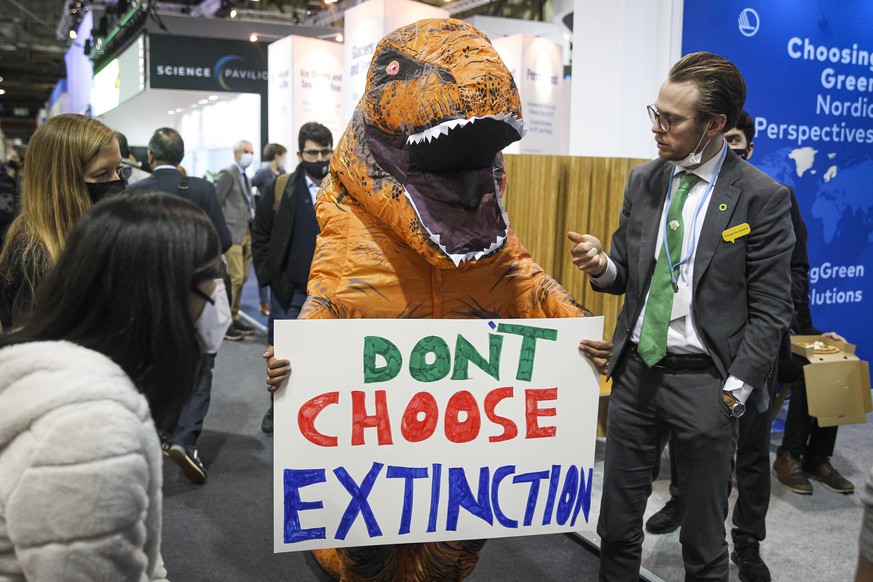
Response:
column 533, row 201
column 550, row 195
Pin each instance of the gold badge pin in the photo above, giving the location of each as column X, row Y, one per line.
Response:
column 732, row 234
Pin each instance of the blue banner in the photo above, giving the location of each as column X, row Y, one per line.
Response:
column 808, row 66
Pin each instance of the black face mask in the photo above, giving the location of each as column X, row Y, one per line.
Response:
column 100, row 190
column 740, row 152
column 317, row 170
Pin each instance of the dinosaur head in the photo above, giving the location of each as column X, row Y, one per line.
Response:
column 438, row 107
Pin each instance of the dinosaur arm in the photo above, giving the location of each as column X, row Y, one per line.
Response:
column 542, row 295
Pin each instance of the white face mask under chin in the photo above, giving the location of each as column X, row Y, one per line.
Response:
column 695, row 156
column 215, row 319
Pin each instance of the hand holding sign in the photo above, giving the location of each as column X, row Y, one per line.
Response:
column 598, row 351
column 277, row 370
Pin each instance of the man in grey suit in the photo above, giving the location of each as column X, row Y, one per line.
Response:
column 234, row 192
column 702, row 254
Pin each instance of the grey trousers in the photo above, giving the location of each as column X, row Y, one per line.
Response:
column 646, row 406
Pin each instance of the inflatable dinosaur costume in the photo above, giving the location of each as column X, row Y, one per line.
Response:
column 412, row 225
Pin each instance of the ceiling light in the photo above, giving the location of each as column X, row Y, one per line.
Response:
column 178, row 109
column 213, row 97
column 339, row 38
column 203, row 101
column 233, row 12
column 253, row 37
column 171, row 112
column 2, row 91
column 73, row 34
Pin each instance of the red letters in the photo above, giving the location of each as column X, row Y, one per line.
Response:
column 532, row 398
column 458, row 431
column 421, row 416
column 306, row 419
column 492, row 399
column 414, row 430
column 360, row 419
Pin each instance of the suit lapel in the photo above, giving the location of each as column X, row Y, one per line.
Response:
column 724, row 195
column 652, row 205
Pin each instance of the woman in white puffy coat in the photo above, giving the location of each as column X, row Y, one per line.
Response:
column 111, row 350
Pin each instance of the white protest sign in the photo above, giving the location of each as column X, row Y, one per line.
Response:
column 398, row 431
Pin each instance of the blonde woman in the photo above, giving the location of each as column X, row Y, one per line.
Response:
column 72, row 162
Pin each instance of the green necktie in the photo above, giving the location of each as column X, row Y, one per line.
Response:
column 653, row 336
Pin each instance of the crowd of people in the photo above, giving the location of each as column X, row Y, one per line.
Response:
column 87, row 232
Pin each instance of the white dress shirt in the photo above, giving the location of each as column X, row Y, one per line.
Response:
column 313, row 187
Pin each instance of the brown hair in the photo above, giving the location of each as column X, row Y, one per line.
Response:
column 273, row 150
column 721, row 85
column 54, row 195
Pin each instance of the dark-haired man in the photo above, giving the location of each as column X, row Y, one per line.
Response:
column 284, row 233
column 165, row 153
column 702, row 256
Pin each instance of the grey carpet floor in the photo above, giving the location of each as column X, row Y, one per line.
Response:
column 222, row 531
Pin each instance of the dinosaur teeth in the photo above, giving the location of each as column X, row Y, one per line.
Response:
column 458, row 258
column 445, row 127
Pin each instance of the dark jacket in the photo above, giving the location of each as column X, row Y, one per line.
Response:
column 741, row 290
column 8, row 203
column 200, row 192
column 789, row 367
column 273, row 234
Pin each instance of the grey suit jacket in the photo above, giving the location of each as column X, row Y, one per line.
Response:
column 741, row 292
column 231, row 194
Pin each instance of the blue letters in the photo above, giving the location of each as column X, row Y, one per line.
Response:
column 294, row 480
column 359, row 503
column 408, row 473
column 460, row 495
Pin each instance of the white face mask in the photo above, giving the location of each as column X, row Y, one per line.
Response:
column 695, row 156
column 214, row 320
column 245, row 160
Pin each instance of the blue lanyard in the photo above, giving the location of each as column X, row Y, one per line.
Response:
column 703, row 199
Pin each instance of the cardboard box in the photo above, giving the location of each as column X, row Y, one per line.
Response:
column 837, row 384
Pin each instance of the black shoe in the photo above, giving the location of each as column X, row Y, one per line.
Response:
column 752, row 567
column 267, row 423
column 189, row 461
column 233, row 334
column 666, row 520
column 243, row 328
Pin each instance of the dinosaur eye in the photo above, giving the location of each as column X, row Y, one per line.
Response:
column 393, row 68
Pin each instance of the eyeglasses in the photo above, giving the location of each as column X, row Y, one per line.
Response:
column 665, row 122
column 314, row 154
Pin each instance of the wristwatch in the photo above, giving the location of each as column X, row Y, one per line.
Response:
column 736, row 407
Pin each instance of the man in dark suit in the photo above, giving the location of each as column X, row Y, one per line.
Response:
column 234, row 192
column 283, row 239
column 702, row 255
column 166, row 150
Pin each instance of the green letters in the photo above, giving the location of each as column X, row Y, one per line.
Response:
column 373, row 346
column 466, row 353
column 528, row 345
column 439, row 369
